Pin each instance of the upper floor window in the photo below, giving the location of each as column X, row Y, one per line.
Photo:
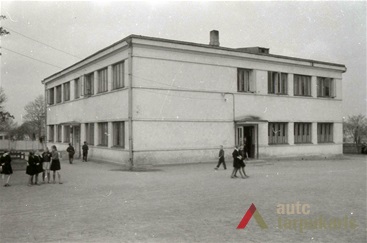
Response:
column 50, row 96
column 244, row 80
column 77, row 88
column 324, row 132
column 325, row 87
column 302, row 132
column 277, row 83
column 278, row 132
column 67, row 91
column 89, row 84
column 302, row 85
column 102, row 80
column 118, row 75
column 58, row 94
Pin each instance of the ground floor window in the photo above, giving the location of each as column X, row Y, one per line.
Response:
column 119, row 134
column 278, row 133
column 302, row 132
column 51, row 133
column 324, row 132
column 59, row 133
column 103, row 133
column 66, row 134
column 89, row 133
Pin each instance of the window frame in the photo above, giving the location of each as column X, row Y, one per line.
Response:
column 51, row 133
column 59, row 134
column 66, row 91
column 58, row 94
column 103, row 134
column 89, row 84
column 245, row 86
column 118, row 134
column 66, row 134
column 118, row 84
column 322, row 84
column 279, row 85
column 302, row 85
column 302, row 132
column 322, row 137
column 51, row 94
column 273, row 137
column 77, row 88
column 89, row 133
column 102, row 75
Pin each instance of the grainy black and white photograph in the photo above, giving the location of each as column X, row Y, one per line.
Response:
column 183, row 121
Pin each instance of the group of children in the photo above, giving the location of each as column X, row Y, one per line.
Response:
column 43, row 163
column 239, row 156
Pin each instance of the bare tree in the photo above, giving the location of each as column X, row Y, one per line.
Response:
column 3, row 31
column 356, row 127
column 35, row 116
column 4, row 115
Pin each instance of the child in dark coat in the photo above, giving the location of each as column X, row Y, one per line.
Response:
column 5, row 163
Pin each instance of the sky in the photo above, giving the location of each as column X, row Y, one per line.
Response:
column 59, row 34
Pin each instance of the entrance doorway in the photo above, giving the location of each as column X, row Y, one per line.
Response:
column 247, row 134
column 76, row 140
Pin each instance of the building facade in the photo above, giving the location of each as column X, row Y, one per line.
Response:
column 147, row 100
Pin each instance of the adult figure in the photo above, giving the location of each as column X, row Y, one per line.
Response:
column 71, row 152
column 5, row 163
column 85, row 149
column 221, row 158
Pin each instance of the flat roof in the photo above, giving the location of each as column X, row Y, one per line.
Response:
column 130, row 37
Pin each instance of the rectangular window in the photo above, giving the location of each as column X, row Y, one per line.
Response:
column 51, row 133
column 119, row 134
column 103, row 134
column 59, row 133
column 58, row 94
column 118, row 75
column 66, row 134
column 278, row 132
column 89, row 133
column 50, row 96
column 302, row 132
column 244, row 80
column 325, row 132
column 67, row 91
column 77, row 88
column 302, row 85
column 89, row 84
column 102, row 80
column 277, row 83
column 325, row 87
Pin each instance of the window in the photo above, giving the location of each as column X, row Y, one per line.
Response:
column 118, row 75
column 59, row 133
column 66, row 134
column 102, row 80
column 51, row 132
column 302, row 85
column 89, row 84
column 67, row 91
column 244, row 80
column 325, row 87
column 77, row 88
column 58, row 94
column 89, row 129
column 278, row 133
column 302, row 132
column 119, row 134
column 324, row 132
column 103, row 134
column 51, row 96
column 277, row 83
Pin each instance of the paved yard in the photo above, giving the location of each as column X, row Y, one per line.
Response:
column 187, row 203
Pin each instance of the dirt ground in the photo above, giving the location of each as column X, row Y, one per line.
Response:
column 188, row 203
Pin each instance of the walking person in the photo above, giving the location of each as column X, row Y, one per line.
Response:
column 244, row 155
column 221, row 158
column 71, row 152
column 31, row 168
column 46, row 155
column 85, row 149
column 55, row 164
column 6, row 169
column 236, row 162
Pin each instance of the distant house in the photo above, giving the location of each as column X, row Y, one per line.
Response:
column 146, row 100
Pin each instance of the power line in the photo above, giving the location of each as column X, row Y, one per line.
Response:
column 31, row 58
column 42, row 43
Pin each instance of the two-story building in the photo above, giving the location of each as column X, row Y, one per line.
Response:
column 146, row 100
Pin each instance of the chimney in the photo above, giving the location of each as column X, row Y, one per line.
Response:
column 214, row 38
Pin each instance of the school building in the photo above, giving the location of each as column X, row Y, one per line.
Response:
column 145, row 100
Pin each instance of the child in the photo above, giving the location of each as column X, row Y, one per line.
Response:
column 39, row 169
column 236, row 162
column 5, row 162
column 46, row 165
column 244, row 155
column 71, row 152
column 55, row 164
column 31, row 168
column 221, row 158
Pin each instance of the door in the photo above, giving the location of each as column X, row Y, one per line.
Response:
column 248, row 138
column 76, row 140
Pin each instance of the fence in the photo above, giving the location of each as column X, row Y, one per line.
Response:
column 21, row 145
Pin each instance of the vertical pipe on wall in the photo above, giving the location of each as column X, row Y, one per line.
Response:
column 130, row 101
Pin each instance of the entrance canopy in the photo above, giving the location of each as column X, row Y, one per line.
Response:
column 249, row 119
column 70, row 123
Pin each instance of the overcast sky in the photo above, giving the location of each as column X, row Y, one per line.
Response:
column 326, row 31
